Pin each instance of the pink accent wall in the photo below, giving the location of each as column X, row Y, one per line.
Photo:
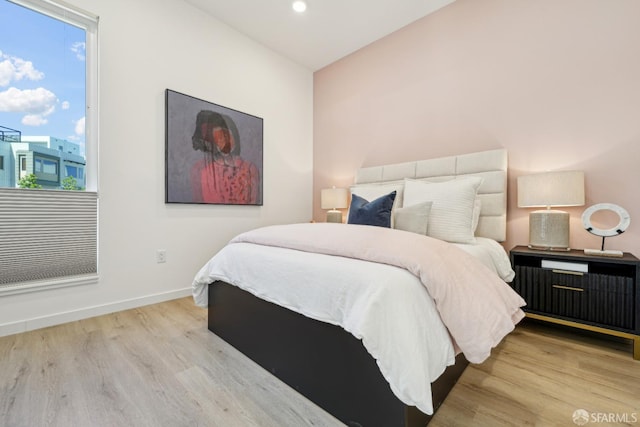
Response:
column 556, row 82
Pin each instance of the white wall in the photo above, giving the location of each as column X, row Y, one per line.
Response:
column 147, row 46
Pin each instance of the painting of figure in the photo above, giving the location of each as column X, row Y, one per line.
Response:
column 213, row 153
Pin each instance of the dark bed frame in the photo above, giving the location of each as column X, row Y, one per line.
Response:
column 321, row 361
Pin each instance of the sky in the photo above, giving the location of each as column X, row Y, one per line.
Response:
column 42, row 75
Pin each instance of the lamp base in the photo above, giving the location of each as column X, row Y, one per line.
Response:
column 549, row 230
column 547, row 248
column 334, row 215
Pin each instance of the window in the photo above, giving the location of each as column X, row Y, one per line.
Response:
column 1, row 163
column 22, row 161
column 48, row 239
column 75, row 171
column 46, row 169
column 48, row 81
column 72, row 171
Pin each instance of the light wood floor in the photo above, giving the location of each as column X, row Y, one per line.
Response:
column 160, row 366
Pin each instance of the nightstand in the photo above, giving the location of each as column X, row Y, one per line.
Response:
column 600, row 294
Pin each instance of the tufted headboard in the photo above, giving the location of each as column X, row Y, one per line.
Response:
column 490, row 165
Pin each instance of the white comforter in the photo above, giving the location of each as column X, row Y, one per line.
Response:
column 386, row 306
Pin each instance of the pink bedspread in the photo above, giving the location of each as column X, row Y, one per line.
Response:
column 477, row 307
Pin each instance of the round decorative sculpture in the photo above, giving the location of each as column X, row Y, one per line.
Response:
column 623, row 224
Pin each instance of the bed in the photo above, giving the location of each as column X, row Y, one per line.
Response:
column 364, row 321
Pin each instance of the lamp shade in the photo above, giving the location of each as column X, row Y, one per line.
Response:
column 549, row 189
column 334, row 198
column 549, row 229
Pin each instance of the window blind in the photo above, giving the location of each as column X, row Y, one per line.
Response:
column 47, row 234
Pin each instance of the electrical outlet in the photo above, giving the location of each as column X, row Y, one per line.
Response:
column 161, row 256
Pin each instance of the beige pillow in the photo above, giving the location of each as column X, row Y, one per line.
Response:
column 413, row 218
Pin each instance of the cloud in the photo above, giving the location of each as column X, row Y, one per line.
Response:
column 7, row 72
column 65, row 105
column 15, row 69
column 79, row 48
column 80, row 127
column 79, row 131
column 36, row 103
column 34, row 120
column 38, row 100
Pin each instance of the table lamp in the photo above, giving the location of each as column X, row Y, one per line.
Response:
column 548, row 228
column 334, row 199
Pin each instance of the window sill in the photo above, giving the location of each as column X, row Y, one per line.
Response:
column 44, row 285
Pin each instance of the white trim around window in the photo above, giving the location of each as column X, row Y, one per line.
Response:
column 48, row 238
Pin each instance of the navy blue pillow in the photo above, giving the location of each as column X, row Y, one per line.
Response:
column 376, row 212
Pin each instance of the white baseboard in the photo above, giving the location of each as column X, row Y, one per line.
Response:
column 85, row 313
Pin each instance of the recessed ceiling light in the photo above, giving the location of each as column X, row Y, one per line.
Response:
column 299, row 6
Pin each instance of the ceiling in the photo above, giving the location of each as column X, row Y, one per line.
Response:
column 327, row 31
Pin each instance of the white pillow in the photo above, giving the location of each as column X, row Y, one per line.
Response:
column 451, row 216
column 371, row 192
column 413, row 218
column 477, row 209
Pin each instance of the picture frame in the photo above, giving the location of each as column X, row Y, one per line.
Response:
column 213, row 154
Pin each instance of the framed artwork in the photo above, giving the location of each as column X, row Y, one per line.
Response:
column 213, row 154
